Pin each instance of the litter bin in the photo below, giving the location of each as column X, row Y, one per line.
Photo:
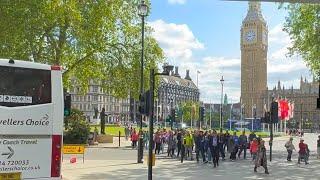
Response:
column 153, row 159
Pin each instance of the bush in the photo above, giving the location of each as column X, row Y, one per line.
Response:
column 77, row 129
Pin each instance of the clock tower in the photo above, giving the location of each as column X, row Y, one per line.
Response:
column 254, row 48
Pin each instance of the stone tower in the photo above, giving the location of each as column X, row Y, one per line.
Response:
column 254, row 48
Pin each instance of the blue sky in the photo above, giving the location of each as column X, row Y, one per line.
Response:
column 204, row 35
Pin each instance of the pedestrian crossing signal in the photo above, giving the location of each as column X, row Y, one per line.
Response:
column 67, row 104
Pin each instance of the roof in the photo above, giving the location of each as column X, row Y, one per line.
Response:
column 24, row 64
column 177, row 81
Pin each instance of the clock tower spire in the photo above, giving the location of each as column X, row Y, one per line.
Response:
column 254, row 48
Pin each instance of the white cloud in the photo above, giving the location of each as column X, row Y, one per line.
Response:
column 177, row 40
column 177, row 1
column 281, row 66
column 179, row 45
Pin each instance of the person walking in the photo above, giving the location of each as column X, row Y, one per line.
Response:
column 157, row 140
column 290, row 147
column 197, row 142
column 261, row 159
column 214, row 147
column 183, row 146
column 243, row 145
column 146, row 139
column 134, row 138
column 234, row 146
column 318, row 147
column 302, row 152
column 206, row 145
column 254, row 146
column 252, row 135
column 226, row 141
column 189, row 144
column 221, row 143
column 179, row 142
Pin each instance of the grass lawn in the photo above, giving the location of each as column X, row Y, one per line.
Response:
column 114, row 130
column 110, row 130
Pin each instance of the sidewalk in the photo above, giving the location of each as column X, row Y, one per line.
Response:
column 115, row 144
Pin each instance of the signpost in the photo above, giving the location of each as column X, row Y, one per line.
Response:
column 74, row 149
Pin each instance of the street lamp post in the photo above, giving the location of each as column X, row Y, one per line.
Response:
column 222, row 81
column 143, row 12
column 151, row 118
column 253, row 115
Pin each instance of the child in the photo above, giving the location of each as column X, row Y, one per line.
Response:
column 254, row 148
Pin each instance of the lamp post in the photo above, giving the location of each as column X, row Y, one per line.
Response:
column 151, row 116
column 253, row 115
column 222, row 81
column 143, row 12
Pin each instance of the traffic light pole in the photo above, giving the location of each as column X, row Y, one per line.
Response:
column 271, row 134
column 140, row 147
column 151, row 112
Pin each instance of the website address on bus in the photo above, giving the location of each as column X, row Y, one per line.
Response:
column 19, row 168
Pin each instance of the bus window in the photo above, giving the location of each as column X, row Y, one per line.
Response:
column 23, row 86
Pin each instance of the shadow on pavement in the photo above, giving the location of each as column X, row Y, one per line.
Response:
column 167, row 169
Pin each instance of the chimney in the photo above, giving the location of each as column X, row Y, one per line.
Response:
column 167, row 68
column 187, row 75
column 176, row 72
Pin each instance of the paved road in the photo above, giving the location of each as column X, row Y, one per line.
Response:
column 119, row 164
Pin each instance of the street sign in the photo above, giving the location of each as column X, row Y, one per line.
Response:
column 73, row 149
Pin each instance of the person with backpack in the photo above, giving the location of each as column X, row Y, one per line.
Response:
column 290, row 147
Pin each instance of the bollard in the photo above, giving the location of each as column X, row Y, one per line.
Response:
column 119, row 138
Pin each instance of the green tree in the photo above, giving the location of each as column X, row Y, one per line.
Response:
column 190, row 110
column 303, row 26
column 97, row 40
column 77, row 129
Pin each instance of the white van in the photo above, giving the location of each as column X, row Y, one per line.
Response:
column 31, row 120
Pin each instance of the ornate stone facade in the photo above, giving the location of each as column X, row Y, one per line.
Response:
column 254, row 48
column 305, row 102
column 174, row 90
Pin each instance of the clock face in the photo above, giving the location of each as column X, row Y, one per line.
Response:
column 250, row 36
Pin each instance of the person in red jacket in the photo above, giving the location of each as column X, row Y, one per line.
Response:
column 134, row 138
column 303, row 152
column 254, row 148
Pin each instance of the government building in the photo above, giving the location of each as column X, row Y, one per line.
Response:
column 173, row 90
column 254, row 91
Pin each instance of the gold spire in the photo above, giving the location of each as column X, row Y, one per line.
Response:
column 254, row 12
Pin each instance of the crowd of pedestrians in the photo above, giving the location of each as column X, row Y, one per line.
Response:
column 211, row 146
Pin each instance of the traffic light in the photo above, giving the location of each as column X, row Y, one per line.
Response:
column 144, row 103
column 67, row 104
column 173, row 115
column 274, row 112
column 266, row 118
column 318, row 103
column 201, row 111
